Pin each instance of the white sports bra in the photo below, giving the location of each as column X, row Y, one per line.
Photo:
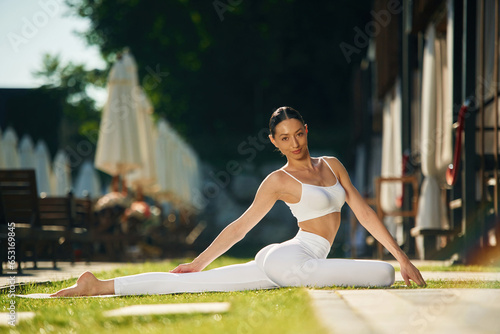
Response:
column 317, row 201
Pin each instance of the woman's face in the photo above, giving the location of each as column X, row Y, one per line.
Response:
column 290, row 137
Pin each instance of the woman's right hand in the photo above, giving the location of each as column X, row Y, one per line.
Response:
column 186, row 268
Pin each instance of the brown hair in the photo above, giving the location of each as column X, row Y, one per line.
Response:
column 281, row 114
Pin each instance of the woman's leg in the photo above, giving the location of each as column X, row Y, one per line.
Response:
column 246, row 276
column 237, row 277
column 87, row 285
column 302, row 262
column 347, row 272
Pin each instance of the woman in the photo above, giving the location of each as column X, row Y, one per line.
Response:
column 315, row 189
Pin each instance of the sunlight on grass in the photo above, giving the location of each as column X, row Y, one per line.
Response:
column 284, row 310
column 457, row 267
column 431, row 284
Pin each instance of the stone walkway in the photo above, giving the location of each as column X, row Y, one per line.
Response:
column 414, row 310
column 409, row 311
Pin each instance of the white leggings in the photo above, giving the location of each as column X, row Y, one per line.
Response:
column 300, row 261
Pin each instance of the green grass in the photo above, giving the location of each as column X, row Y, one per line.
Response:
column 431, row 284
column 460, row 267
column 284, row 310
column 455, row 267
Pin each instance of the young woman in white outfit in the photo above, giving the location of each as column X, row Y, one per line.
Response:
column 315, row 189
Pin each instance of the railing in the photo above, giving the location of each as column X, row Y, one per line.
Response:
column 452, row 171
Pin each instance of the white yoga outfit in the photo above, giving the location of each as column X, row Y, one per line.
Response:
column 300, row 261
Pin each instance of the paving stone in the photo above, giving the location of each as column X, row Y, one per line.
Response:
column 336, row 315
column 169, row 309
column 380, row 309
column 20, row 316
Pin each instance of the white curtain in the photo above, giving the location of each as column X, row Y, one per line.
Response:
column 429, row 213
column 391, row 149
column 437, row 128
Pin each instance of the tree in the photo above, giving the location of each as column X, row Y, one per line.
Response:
column 216, row 69
column 79, row 119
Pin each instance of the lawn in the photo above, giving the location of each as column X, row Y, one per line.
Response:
column 285, row 310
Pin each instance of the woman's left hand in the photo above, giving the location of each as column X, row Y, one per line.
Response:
column 185, row 268
column 409, row 271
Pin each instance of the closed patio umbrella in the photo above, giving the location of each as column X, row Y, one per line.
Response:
column 11, row 157
column 26, row 153
column 145, row 176
column 62, row 174
column 166, row 165
column 87, row 182
column 177, row 166
column 118, row 148
column 43, row 170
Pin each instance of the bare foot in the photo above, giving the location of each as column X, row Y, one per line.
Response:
column 86, row 285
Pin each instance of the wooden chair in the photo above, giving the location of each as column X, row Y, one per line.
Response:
column 19, row 205
column 81, row 226
column 56, row 215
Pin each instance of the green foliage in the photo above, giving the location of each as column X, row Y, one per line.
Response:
column 73, row 82
column 216, row 69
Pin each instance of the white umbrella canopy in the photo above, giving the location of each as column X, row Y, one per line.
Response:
column 161, row 156
column 43, row 170
column 62, row 174
column 131, row 68
column 177, row 167
column 193, row 176
column 118, row 149
column 87, row 182
column 145, row 177
column 11, row 157
column 166, row 161
column 26, row 153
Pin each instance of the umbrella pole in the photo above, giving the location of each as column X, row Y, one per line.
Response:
column 139, row 194
column 114, row 183
column 124, row 187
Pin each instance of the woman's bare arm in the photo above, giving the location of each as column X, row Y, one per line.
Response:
column 369, row 219
column 266, row 196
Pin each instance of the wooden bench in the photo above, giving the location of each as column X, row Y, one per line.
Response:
column 41, row 224
column 19, row 205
